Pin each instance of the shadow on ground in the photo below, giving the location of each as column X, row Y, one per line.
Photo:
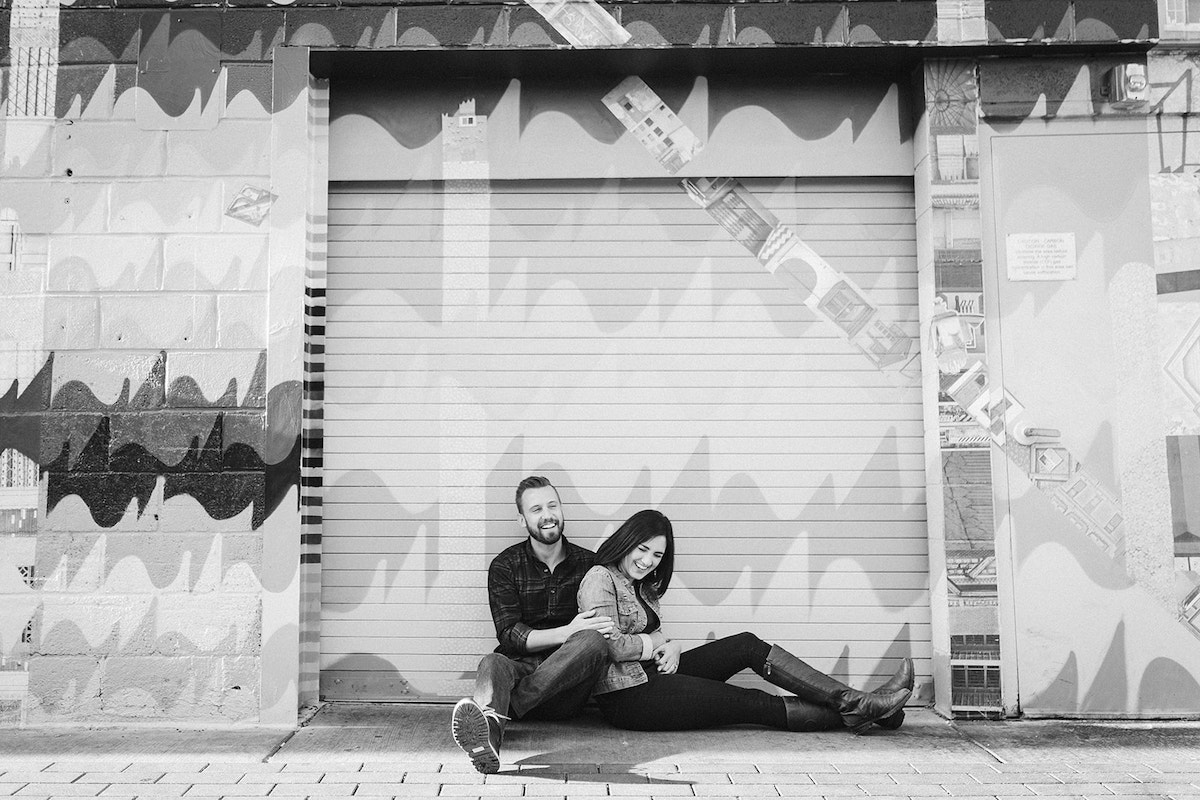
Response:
column 422, row 733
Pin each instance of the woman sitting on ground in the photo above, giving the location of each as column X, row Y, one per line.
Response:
column 652, row 685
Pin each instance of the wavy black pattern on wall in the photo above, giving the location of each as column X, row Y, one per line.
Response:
column 229, row 457
column 224, row 480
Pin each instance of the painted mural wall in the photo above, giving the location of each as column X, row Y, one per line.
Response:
column 149, row 448
column 161, row 225
column 1091, row 492
column 1174, row 202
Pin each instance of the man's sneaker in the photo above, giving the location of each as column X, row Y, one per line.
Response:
column 477, row 731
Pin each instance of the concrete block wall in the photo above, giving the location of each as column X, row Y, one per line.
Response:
column 159, row 203
column 137, row 358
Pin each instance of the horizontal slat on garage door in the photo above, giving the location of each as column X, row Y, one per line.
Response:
column 446, row 596
column 610, row 336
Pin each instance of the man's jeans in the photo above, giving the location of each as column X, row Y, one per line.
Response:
column 539, row 686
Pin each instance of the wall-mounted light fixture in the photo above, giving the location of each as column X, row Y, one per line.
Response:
column 1126, row 87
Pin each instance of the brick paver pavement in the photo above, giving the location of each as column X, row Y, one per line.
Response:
column 380, row 752
column 378, row 780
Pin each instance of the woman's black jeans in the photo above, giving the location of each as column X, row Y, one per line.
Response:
column 696, row 696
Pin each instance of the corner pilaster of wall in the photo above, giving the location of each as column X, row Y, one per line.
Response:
column 965, row 608
column 292, row 177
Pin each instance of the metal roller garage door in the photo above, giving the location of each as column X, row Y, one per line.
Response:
column 609, row 335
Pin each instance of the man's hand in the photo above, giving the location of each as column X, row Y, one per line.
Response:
column 590, row 621
column 538, row 640
column 667, row 657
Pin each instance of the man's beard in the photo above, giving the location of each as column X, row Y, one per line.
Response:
column 547, row 536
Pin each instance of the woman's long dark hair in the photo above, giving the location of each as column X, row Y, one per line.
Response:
column 642, row 527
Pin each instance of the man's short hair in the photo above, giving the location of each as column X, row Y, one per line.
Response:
column 532, row 482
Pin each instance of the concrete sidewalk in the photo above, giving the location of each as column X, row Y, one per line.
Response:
column 403, row 751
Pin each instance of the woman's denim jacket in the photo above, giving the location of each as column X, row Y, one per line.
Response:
column 609, row 593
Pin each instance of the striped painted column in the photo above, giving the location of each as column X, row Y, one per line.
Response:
column 313, row 438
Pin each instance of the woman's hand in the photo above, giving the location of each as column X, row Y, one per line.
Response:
column 667, row 657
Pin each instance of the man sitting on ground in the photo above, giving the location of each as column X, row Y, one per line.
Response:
column 549, row 656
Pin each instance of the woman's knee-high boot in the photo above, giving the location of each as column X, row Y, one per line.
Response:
column 857, row 709
column 806, row 717
column 903, row 679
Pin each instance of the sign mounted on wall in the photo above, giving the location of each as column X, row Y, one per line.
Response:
column 1040, row 256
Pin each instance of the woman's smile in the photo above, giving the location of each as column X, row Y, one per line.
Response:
column 644, row 559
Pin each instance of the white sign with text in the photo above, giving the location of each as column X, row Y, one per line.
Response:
column 1041, row 256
